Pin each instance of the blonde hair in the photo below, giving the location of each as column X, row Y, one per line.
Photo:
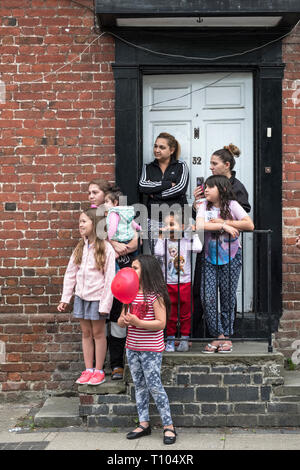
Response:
column 172, row 143
column 99, row 248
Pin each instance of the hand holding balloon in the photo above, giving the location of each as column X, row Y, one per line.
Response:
column 125, row 285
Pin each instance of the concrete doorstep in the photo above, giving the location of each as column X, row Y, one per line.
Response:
column 62, row 412
column 58, row 412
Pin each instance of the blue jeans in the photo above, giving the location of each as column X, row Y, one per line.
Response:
column 145, row 371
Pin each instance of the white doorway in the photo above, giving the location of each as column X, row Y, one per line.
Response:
column 205, row 112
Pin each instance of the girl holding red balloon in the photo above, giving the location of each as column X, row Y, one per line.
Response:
column 90, row 271
column 145, row 290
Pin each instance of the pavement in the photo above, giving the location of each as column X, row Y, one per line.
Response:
column 18, row 432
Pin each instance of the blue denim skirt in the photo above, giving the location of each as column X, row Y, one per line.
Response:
column 87, row 309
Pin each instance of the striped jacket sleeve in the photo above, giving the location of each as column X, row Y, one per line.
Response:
column 180, row 186
column 150, row 187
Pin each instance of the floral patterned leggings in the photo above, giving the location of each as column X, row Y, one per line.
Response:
column 210, row 276
column 145, row 371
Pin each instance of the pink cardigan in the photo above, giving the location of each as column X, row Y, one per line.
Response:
column 89, row 282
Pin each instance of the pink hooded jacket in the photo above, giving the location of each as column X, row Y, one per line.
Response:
column 89, row 282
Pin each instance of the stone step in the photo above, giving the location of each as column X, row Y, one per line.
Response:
column 246, row 388
column 289, row 391
column 113, row 387
column 59, row 412
column 203, row 390
column 242, row 414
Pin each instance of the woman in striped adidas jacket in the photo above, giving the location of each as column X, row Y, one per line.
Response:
column 164, row 180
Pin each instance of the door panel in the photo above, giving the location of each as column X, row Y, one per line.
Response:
column 204, row 116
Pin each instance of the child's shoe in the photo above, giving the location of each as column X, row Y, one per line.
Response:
column 97, row 378
column 183, row 345
column 117, row 373
column 170, row 345
column 85, row 377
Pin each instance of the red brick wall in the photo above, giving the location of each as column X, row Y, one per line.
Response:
column 290, row 322
column 55, row 135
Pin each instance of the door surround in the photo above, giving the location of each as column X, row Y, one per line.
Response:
column 267, row 69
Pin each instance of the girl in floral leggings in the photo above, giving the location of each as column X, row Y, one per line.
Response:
column 221, row 217
column 146, row 321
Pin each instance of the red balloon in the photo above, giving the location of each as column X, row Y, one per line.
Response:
column 125, row 285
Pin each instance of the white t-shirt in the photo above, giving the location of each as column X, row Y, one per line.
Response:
column 175, row 257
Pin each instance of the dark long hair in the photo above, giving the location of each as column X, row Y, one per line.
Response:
column 152, row 280
column 226, row 194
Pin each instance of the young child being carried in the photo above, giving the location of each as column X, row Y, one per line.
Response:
column 175, row 253
column 120, row 222
column 121, row 232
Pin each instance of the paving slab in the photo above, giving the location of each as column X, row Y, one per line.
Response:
column 216, row 439
column 11, row 414
column 272, row 441
column 22, row 436
column 91, row 441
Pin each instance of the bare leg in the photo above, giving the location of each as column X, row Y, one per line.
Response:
column 99, row 335
column 87, row 343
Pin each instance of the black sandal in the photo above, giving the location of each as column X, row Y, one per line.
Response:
column 136, row 435
column 170, row 439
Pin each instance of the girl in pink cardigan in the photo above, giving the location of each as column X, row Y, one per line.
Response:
column 90, row 271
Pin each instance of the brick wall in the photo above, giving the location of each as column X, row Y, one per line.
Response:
column 290, row 323
column 56, row 133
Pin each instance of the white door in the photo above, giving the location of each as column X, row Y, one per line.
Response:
column 204, row 112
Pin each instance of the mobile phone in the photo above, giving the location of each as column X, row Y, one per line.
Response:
column 199, row 181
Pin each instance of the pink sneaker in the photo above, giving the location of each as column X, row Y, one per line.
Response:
column 85, row 377
column 97, row 378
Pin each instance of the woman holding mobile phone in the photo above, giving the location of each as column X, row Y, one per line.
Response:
column 222, row 162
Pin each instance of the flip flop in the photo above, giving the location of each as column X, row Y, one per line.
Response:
column 212, row 349
column 225, row 348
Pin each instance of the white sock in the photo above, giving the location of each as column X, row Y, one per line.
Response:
column 90, row 370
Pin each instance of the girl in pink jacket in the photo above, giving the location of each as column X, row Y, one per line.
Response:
column 90, row 271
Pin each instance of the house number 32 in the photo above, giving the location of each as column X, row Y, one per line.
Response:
column 197, row 160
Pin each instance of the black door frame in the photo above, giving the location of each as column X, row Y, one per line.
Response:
column 267, row 70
